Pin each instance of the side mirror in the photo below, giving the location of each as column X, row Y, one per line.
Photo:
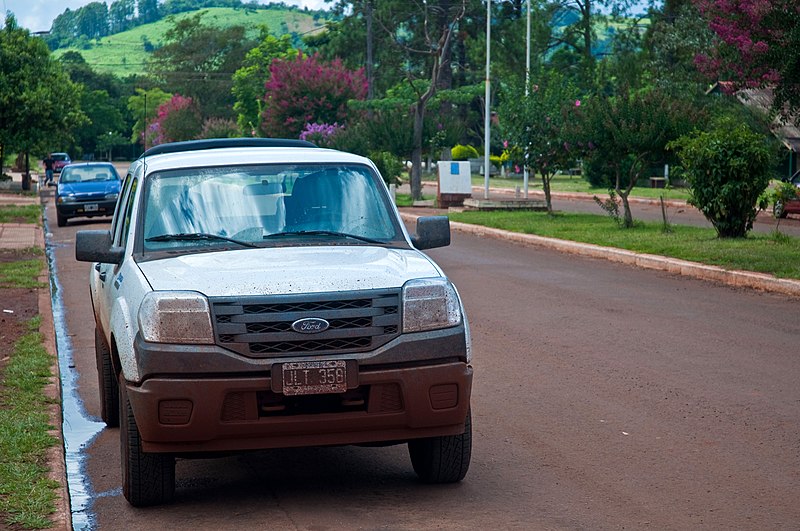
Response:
column 95, row 246
column 432, row 231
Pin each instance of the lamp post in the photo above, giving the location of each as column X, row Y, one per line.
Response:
column 525, row 173
column 487, row 103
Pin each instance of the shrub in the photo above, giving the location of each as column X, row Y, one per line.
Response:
column 391, row 167
column 727, row 170
column 460, row 152
column 219, row 128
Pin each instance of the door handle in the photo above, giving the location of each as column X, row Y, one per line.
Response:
column 102, row 276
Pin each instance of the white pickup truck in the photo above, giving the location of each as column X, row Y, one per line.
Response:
column 264, row 293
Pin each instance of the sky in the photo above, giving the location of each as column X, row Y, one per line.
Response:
column 38, row 15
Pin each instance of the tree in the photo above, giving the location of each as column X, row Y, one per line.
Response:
column 38, row 103
column 142, row 106
column 538, row 126
column 438, row 22
column 250, row 79
column 673, row 41
column 103, row 118
column 628, row 132
column 148, row 11
column 199, row 61
column 305, row 90
column 176, row 120
column 121, row 14
column 759, row 45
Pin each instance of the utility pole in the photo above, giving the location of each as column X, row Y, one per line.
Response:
column 370, row 60
column 487, row 118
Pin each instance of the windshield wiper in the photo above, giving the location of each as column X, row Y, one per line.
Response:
column 322, row 233
column 197, row 236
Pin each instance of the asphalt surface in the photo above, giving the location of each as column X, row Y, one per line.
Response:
column 606, row 396
column 548, row 480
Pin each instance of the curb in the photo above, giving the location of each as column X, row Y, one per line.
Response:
column 62, row 515
column 744, row 279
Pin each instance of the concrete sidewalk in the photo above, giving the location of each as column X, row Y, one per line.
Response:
column 19, row 235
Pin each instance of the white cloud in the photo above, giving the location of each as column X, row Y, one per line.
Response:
column 38, row 15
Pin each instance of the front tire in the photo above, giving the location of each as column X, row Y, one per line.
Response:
column 61, row 221
column 147, row 478
column 443, row 459
column 107, row 381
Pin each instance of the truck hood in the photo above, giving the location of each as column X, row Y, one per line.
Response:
column 287, row 270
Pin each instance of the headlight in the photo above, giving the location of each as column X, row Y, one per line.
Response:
column 112, row 197
column 66, row 199
column 175, row 317
column 429, row 304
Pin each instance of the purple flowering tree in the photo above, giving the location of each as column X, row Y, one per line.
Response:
column 759, row 46
column 177, row 119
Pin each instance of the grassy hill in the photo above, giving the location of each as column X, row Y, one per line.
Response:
column 124, row 54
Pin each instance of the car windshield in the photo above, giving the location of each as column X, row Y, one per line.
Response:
column 83, row 174
column 266, row 205
column 59, row 156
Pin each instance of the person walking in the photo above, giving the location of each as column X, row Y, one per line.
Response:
column 49, row 163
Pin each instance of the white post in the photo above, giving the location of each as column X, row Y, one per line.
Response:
column 525, row 174
column 487, row 105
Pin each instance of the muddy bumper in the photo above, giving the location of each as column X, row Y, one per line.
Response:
column 248, row 412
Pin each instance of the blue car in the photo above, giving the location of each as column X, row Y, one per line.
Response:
column 87, row 189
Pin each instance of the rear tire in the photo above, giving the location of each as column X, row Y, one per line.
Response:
column 443, row 459
column 107, row 381
column 147, row 478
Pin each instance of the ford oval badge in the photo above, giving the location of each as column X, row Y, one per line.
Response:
column 310, row 325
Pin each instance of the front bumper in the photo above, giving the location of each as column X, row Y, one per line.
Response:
column 221, row 414
column 87, row 208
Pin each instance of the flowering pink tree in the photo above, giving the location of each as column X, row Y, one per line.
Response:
column 306, row 90
column 759, row 45
column 177, row 119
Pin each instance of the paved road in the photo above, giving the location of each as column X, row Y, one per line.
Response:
column 605, row 397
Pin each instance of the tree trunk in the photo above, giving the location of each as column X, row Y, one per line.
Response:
column 546, row 187
column 26, row 176
column 628, row 216
column 416, row 154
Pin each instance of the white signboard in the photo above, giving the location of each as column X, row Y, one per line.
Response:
column 454, row 177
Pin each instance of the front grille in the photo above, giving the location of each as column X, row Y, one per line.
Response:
column 261, row 327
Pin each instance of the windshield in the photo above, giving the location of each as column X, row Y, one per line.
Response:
column 266, row 205
column 83, row 174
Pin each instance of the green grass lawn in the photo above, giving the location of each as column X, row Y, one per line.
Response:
column 27, row 495
column 574, row 184
column 20, row 214
column 775, row 254
column 123, row 54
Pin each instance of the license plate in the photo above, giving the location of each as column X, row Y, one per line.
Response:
column 90, row 208
column 314, row 377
